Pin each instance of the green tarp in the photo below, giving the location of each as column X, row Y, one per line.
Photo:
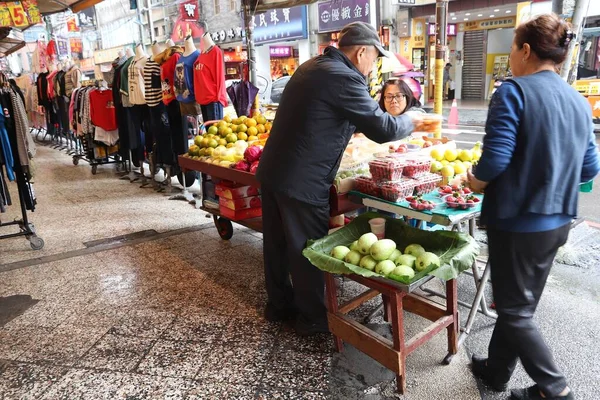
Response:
column 457, row 251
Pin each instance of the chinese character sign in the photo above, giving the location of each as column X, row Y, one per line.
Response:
column 335, row 14
column 280, row 24
column 19, row 13
column 188, row 10
column 280, row 51
column 72, row 24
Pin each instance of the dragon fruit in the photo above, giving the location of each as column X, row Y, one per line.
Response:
column 242, row 166
column 252, row 154
column 254, row 167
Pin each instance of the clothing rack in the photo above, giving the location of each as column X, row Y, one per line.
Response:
column 26, row 196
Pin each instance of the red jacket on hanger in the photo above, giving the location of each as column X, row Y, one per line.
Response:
column 209, row 78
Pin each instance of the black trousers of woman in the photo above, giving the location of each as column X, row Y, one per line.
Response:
column 521, row 263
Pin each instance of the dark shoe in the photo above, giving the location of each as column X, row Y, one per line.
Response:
column 533, row 393
column 310, row 328
column 482, row 371
column 273, row 314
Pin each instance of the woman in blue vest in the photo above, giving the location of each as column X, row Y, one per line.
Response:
column 539, row 146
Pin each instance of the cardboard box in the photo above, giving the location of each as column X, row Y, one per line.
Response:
column 236, row 192
column 241, row 204
column 238, row 215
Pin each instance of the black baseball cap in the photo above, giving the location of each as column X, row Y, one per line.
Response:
column 361, row 33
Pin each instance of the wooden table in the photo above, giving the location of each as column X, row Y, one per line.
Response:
column 397, row 298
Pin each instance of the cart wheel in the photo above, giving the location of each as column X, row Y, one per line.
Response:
column 37, row 243
column 75, row 160
column 224, row 227
column 94, row 169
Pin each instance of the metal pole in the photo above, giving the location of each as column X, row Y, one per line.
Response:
column 441, row 19
column 150, row 21
column 581, row 9
column 248, row 11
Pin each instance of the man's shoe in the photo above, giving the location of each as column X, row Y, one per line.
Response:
column 483, row 372
column 310, row 328
column 273, row 314
column 533, row 393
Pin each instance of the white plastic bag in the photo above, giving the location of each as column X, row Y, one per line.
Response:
column 452, row 85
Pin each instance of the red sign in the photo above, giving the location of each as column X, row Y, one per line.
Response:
column 76, row 45
column 188, row 11
column 87, row 64
column 72, row 24
column 184, row 29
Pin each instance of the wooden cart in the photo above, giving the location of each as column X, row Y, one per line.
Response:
column 338, row 203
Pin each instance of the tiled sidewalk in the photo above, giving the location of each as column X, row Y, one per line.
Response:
column 176, row 317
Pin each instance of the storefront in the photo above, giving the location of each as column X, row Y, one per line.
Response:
column 335, row 14
column 281, row 39
column 236, row 63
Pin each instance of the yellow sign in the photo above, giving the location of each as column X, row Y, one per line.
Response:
column 589, row 87
column 506, row 22
column 5, row 19
column 523, row 12
column 419, row 31
column 17, row 13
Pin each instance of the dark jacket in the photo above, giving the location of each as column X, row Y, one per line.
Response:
column 539, row 146
column 323, row 104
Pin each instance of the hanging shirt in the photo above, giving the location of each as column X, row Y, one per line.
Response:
column 184, row 78
column 102, row 110
column 137, row 91
column 152, row 83
column 167, row 61
column 209, row 78
column 72, row 78
column 51, row 83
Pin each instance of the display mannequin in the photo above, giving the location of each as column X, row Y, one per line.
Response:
column 209, row 80
column 184, row 79
column 129, row 52
column 156, row 49
column 170, row 43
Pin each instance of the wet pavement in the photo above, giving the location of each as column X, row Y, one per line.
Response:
column 176, row 312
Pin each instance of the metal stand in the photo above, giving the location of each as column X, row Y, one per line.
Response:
column 185, row 194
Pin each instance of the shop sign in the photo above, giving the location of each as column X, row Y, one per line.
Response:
column 451, row 31
column 107, row 55
column 235, row 56
column 62, row 46
column 335, row 14
column 507, row 22
column 281, row 51
column 35, row 33
column 229, row 35
column 76, row 45
column 403, row 2
column 87, row 64
column 72, row 24
column 86, row 18
column 280, row 24
column 418, row 32
column 188, row 11
column 19, row 14
column 184, row 29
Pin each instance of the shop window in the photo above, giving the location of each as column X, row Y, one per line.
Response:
column 233, row 5
column 217, row 4
column 156, row 30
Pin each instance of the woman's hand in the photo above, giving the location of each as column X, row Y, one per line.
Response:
column 475, row 184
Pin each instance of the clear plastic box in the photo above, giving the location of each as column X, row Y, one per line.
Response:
column 397, row 191
column 386, row 169
column 367, row 185
column 416, row 167
column 427, row 183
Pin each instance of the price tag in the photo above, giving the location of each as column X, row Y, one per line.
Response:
column 33, row 12
column 17, row 13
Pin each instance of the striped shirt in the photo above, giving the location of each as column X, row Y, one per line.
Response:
column 152, row 83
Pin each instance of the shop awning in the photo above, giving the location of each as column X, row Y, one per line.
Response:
column 53, row 6
column 8, row 43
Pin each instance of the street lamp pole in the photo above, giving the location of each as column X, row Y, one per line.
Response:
column 441, row 23
column 248, row 11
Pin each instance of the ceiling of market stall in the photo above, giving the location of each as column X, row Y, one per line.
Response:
column 483, row 13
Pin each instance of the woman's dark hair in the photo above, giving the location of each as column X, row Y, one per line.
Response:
column 547, row 35
column 411, row 101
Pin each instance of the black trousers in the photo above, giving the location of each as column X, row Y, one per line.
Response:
column 161, row 128
column 287, row 225
column 212, row 111
column 521, row 263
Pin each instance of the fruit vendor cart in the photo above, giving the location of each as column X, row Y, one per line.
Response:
column 212, row 174
column 449, row 218
column 457, row 252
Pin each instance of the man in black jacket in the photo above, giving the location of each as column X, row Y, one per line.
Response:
column 324, row 103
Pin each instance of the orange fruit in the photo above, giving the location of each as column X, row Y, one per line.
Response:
column 242, row 136
column 261, row 128
column 268, row 126
column 250, row 122
column 242, row 128
column 252, row 131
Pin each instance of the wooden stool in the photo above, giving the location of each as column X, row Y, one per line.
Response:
column 396, row 298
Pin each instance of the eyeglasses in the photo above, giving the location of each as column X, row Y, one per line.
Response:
column 392, row 97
